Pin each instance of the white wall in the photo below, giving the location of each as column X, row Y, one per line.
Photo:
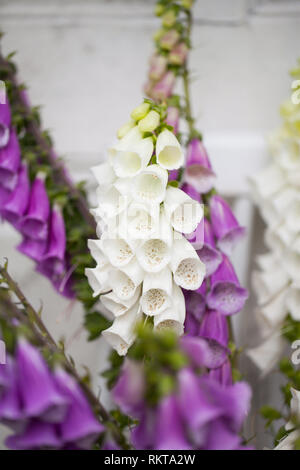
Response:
column 86, row 61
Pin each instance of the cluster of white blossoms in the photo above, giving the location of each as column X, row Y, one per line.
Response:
column 143, row 258
column 276, row 190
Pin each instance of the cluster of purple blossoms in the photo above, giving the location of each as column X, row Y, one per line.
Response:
column 26, row 206
column 199, row 415
column 44, row 409
column 220, row 295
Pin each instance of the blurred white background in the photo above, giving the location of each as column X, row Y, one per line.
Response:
column 86, row 62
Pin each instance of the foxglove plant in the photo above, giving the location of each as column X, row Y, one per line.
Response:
column 275, row 190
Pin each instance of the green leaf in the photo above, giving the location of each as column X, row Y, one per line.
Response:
column 270, row 414
column 95, row 323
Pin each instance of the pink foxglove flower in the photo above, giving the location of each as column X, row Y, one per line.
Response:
column 10, row 162
column 198, row 171
column 17, row 203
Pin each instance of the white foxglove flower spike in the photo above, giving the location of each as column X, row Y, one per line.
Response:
column 157, row 292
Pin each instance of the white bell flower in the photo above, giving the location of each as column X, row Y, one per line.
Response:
column 104, row 174
column 274, row 311
column 131, row 154
column 150, row 185
column 110, row 202
column 174, row 316
column 157, row 292
column 117, row 306
column 268, row 353
column 98, row 279
column 95, row 247
column 295, row 408
column 169, row 154
column 121, row 334
column 124, row 281
column 188, row 269
column 267, row 284
column 270, row 180
column 143, row 220
column 184, row 212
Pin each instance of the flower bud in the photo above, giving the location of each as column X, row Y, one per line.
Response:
column 140, row 111
column 159, row 9
column 178, row 54
column 158, row 66
column 169, row 18
column 169, row 39
column 125, row 129
column 150, row 122
column 187, row 4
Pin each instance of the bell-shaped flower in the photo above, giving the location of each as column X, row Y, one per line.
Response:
column 95, row 247
column 128, row 393
column 173, row 317
column 5, row 195
column 158, row 66
column 80, row 425
column 225, row 226
column 195, row 301
column 121, row 334
column 35, row 223
column 208, row 253
column 150, row 185
column 164, row 88
column 98, row 279
column 17, row 204
column 226, row 295
column 131, row 154
column 178, row 54
column 142, row 435
column 39, row 394
column 169, row 427
column 275, row 310
column 125, row 280
column 10, row 156
column 5, row 120
column 169, row 154
column 119, row 251
column 270, row 280
column 222, row 374
column 191, row 191
column 54, row 258
column 34, row 249
column 110, row 202
column 11, row 412
column 214, row 330
column 198, row 171
column 150, row 122
column 37, row 435
column 104, row 174
column 157, row 292
column 169, row 39
column 123, row 130
column 184, row 212
column 188, row 269
column 198, row 351
column 117, row 306
column 143, row 220
column 139, row 112
column 267, row 354
column 268, row 182
column 191, row 325
column 172, row 118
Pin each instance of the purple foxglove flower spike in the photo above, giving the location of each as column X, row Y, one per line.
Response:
column 10, row 404
column 198, row 170
column 34, row 249
column 195, row 301
column 222, row 374
column 5, row 118
column 39, row 394
column 173, row 118
column 35, row 222
column 169, row 430
column 214, row 329
column 226, row 295
column 53, row 261
column 208, row 253
column 225, row 226
column 17, row 204
column 163, row 89
column 9, row 162
column 37, row 435
column 198, row 351
column 80, row 425
column 128, row 392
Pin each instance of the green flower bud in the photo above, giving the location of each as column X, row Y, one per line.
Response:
column 140, row 111
column 159, row 9
column 150, row 122
column 187, row 3
column 169, row 18
column 158, row 34
column 125, row 129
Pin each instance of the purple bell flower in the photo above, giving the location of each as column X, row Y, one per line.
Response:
column 169, row 428
column 173, row 175
column 208, row 253
column 53, row 261
column 35, row 223
column 172, row 118
column 195, row 301
column 11, row 412
column 39, row 394
column 128, row 392
column 5, row 195
column 198, row 171
column 34, row 249
column 17, row 204
column 222, row 374
column 5, row 119
column 219, row 437
column 163, row 89
column 142, row 435
column 198, row 350
column 191, row 191
column 80, row 426
column 214, row 330
column 9, row 162
column 37, row 435
column 226, row 295
column 191, row 324
column 225, row 226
